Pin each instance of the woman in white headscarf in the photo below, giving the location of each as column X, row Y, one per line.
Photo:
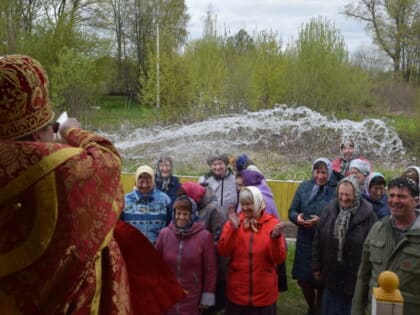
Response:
column 254, row 243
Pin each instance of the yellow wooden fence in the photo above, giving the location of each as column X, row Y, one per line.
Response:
column 283, row 190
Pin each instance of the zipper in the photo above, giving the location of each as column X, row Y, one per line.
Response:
column 178, row 269
column 250, row 266
column 221, row 197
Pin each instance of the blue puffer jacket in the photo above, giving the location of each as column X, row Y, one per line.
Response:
column 379, row 206
column 301, row 204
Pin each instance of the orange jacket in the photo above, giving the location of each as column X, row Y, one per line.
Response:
column 252, row 278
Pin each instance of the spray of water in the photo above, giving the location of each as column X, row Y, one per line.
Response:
column 296, row 133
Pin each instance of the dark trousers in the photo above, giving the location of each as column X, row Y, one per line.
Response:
column 334, row 303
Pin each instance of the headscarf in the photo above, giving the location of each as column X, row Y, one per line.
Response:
column 258, row 208
column 415, row 169
column 165, row 180
column 349, row 142
column 194, row 190
column 144, row 169
column 362, row 166
column 194, row 215
column 342, row 221
column 243, row 162
column 369, row 180
column 316, row 188
column 254, row 178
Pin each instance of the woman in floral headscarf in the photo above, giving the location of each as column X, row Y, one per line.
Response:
column 254, row 243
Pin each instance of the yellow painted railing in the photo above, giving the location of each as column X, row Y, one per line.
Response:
column 283, row 190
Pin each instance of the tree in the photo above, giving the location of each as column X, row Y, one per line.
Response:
column 395, row 26
column 320, row 75
column 17, row 20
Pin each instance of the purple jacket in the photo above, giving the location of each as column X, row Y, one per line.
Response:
column 191, row 255
column 254, row 178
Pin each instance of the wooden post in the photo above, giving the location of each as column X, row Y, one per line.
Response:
column 387, row 298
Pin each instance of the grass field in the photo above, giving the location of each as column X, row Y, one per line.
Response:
column 291, row 302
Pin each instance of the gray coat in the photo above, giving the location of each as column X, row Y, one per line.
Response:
column 224, row 188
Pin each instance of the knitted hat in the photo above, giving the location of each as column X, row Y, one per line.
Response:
column 24, row 102
column 361, row 165
column 194, row 190
column 242, row 161
column 144, row 169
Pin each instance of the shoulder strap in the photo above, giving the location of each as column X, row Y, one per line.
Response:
column 37, row 171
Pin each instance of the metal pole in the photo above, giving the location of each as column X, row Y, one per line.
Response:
column 157, row 59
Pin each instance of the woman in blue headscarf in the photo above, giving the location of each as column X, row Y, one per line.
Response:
column 310, row 199
column 188, row 249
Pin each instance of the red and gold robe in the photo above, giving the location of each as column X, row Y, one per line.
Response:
column 59, row 205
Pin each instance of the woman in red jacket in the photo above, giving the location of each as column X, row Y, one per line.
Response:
column 254, row 242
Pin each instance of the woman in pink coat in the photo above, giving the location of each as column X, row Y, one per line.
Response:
column 188, row 248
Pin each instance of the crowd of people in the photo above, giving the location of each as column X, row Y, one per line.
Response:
column 72, row 243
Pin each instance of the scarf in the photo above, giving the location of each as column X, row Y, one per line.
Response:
column 259, row 206
column 342, row 221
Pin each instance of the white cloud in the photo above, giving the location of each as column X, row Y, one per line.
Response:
column 283, row 16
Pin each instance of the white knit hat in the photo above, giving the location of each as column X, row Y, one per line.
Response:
column 144, row 169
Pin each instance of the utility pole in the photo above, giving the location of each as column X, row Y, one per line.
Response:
column 157, row 57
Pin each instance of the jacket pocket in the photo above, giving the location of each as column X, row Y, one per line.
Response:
column 376, row 251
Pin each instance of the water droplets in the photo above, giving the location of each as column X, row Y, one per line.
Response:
column 298, row 133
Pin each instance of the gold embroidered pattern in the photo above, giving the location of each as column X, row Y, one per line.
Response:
column 45, row 209
column 24, row 102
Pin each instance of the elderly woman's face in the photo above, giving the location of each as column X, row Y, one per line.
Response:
column 346, row 196
column 348, row 151
column 218, row 167
column 248, row 208
column 377, row 191
column 321, row 176
column 165, row 168
column 358, row 175
column 145, row 183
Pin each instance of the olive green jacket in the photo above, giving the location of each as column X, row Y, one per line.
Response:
column 380, row 253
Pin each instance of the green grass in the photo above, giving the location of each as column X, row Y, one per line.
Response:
column 409, row 131
column 291, row 302
column 114, row 110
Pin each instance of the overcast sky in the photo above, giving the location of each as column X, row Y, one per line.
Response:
column 283, row 16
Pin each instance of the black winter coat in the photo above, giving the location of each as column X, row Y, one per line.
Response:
column 341, row 277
